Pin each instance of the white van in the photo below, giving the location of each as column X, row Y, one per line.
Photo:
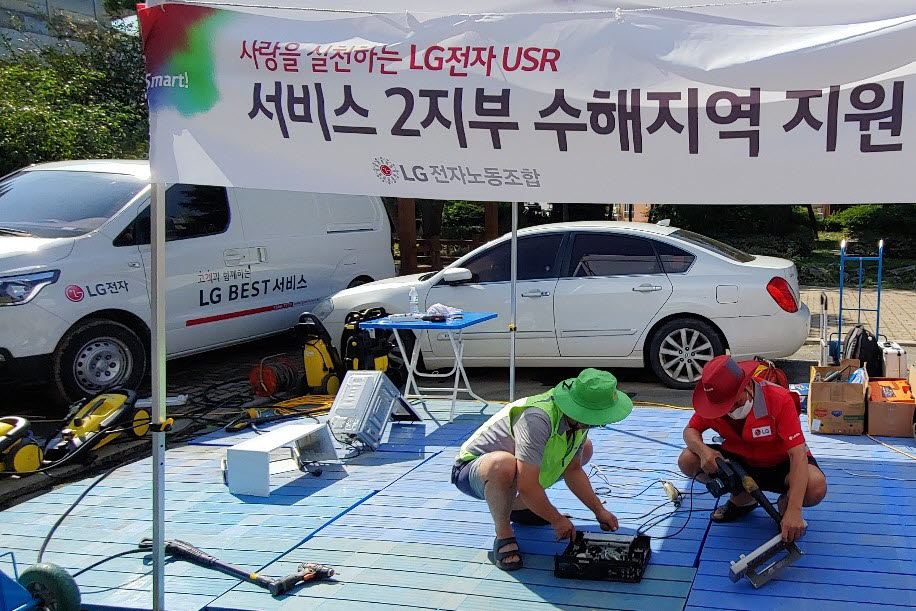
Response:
column 240, row 264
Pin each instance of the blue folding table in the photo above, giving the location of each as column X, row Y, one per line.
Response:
column 453, row 328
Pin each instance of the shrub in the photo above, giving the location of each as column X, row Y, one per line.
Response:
column 716, row 221
column 462, row 220
column 800, row 243
column 869, row 223
column 830, row 223
column 73, row 101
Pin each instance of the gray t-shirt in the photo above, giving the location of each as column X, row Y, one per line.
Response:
column 532, row 430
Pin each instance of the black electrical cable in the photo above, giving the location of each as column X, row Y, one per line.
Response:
column 63, row 516
column 108, row 559
column 112, row 429
column 643, row 470
column 655, row 522
column 350, row 444
column 67, row 458
column 606, row 491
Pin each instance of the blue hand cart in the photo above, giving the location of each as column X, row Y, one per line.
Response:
column 836, row 346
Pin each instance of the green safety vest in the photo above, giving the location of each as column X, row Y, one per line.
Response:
column 559, row 451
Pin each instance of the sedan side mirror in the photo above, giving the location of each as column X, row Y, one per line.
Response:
column 456, row 275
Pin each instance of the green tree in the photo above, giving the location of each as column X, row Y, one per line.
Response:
column 82, row 98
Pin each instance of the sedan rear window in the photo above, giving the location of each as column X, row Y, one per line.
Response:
column 60, row 203
column 720, row 248
column 674, row 260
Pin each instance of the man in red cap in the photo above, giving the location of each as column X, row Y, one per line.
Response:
column 761, row 430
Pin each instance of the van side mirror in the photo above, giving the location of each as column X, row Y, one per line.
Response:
column 456, row 275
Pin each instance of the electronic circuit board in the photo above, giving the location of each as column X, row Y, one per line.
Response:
column 605, row 556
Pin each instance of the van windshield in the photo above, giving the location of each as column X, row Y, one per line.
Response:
column 60, row 203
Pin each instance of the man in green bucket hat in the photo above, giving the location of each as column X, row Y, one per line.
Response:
column 528, row 446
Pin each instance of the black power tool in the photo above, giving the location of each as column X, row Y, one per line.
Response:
column 758, row 566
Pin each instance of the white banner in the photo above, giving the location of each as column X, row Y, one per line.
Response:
column 635, row 106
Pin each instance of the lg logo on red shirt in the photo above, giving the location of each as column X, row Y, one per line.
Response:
column 761, row 431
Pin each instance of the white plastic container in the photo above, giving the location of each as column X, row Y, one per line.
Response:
column 895, row 365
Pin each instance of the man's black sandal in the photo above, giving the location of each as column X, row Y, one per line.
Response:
column 527, row 517
column 732, row 512
column 499, row 558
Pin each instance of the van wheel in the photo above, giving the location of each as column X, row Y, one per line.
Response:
column 95, row 355
column 680, row 349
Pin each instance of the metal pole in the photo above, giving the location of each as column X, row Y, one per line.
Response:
column 157, row 291
column 839, row 324
column 513, row 298
column 880, row 271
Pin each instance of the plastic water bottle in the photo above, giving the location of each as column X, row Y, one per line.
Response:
column 414, row 300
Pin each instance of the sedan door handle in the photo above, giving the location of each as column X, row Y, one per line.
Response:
column 534, row 294
column 647, row 288
column 134, row 264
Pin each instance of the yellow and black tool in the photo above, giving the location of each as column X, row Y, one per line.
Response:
column 19, row 453
column 97, row 422
column 362, row 350
column 323, row 368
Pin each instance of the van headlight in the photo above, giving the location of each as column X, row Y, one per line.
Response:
column 16, row 290
column 323, row 309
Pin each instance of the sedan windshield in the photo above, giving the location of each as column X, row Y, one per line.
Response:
column 720, row 248
column 58, row 203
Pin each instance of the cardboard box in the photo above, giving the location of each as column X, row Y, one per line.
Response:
column 837, row 408
column 890, row 418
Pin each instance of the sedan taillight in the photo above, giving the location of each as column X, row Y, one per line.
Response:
column 782, row 294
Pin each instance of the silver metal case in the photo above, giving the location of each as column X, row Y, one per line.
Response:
column 363, row 407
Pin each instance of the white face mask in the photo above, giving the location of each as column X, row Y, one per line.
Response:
column 741, row 412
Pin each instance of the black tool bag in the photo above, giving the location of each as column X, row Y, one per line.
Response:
column 862, row 345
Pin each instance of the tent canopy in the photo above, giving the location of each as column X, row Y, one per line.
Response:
column 766, row 101
column 762, row 102
column 749, row 12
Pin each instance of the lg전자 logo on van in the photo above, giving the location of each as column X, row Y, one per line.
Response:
column 74, row 293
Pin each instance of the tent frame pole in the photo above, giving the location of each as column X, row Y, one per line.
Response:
column 513, row 299
column 157, row 362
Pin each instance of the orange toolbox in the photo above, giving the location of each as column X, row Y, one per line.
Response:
column 890, row 391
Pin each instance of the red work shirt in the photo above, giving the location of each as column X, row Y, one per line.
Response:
column 766, row 436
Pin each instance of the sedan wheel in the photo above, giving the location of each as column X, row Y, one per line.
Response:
column 680, row 349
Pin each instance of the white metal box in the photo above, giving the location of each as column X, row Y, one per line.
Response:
column 895, row 365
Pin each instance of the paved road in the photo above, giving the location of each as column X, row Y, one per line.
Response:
column 898, row 311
